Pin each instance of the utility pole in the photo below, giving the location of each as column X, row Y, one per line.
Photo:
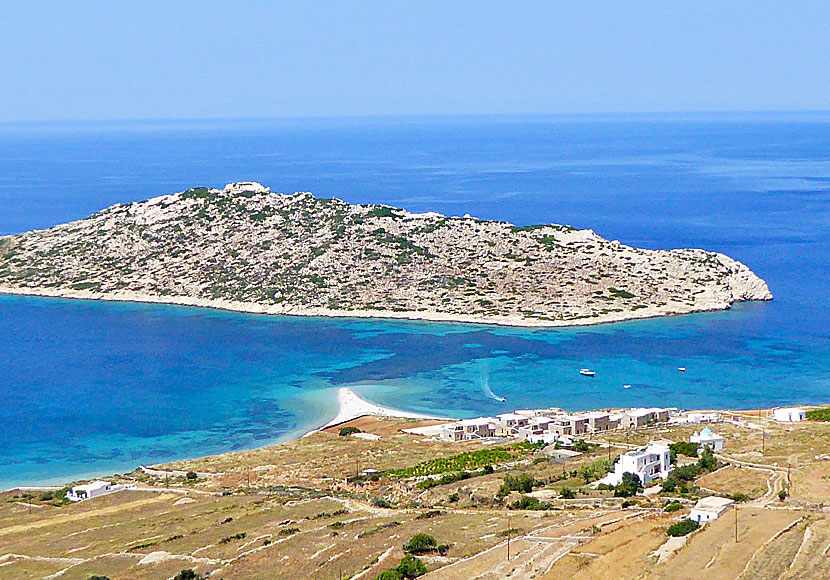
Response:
column 167, row 479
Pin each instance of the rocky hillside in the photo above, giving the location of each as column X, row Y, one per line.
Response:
column 248, row 249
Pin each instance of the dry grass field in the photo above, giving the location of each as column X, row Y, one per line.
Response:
column 294, row 511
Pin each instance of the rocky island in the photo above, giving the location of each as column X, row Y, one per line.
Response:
column 245, row 248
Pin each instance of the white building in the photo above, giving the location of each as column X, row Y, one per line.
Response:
column 648, row 464
column 789, row 414
column 708, row 438
column 94, row 489
column 709, row 508
column 469, row 429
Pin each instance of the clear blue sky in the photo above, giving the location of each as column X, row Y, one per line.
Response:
column 127, row 60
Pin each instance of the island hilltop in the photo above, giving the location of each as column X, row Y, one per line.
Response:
column 245, row 248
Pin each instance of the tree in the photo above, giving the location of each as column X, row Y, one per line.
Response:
column 420, row 543
column 411, row 567
column 629, row 485
column 348, row 431
column 187, row 574
column 389, row 575
column 567, row 493
column 707, row 461
column 191, row 476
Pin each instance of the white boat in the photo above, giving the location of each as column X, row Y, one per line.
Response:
column 502, row 399
column 586, row 372
column 626, row 386
column 681, row 369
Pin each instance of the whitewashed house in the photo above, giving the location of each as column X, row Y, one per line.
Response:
column 650, row 463
column 789, row 414
column 709, row 508
column 94, row 489
column 469, row 429
column 708, row 438
column 508, row 424
column 636, row 418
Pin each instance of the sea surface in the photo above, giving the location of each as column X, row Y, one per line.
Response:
column 90, row 388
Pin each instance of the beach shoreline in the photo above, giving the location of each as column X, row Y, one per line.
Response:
column 352, row 406
column 412, row 316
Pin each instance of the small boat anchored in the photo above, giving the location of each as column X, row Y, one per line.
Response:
column 626, row 386
column 681, row 369
column 586, row 372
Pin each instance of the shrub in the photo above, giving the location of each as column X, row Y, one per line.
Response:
column 527, row 502
column 682, row 528
column 673, row 507
column 381, row 502
column 420, row 543
column 285, row 532
column 191, row 476
column 523, row 483
column 389, row 575
column 782, row 495
column 187, row 574
column 452, row 498
column 411, row 567
column 567, row 493
column 239, row 536
column 348, row 431
column 820, row 414
column 626, row 504
column 739, row 497
column 707, row 461
column 98, row 578
column 683, row 448
column 629, row 485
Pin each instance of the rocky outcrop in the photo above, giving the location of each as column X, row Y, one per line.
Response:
column 246, row 248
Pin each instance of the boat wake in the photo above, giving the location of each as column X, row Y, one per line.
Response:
column 485, row 386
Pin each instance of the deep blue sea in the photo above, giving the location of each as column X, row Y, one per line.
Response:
column 93, row 388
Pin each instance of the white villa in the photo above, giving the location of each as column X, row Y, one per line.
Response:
column 708, row 438
column 648, row 464
column 789, row 414
column 94, row 489
column 709, row 508
column 469, row 429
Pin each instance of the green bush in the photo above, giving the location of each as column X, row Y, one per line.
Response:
column 187, row 574
column 782, row 494
column 98, row 578
column 420, row 544
column 683, row 448
column 528, row 502
column 411, row 567
column 820, row 414
column 348, row 431
column 389, row 575
column 629, row 485
column 673, row 507
column 682, row 528
column 567, row 493
column 523, row 483
column 191, row 476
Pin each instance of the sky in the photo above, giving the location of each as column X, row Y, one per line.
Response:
column 245, row 59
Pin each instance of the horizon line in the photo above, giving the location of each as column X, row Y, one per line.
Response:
column 418, row 116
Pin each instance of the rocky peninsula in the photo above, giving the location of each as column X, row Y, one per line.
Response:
column 247, row 249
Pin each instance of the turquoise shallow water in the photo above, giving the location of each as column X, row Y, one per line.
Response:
column 90, row 388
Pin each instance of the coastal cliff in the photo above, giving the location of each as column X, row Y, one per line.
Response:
column 245, row 248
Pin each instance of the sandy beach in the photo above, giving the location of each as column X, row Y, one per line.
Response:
column 352, row 406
